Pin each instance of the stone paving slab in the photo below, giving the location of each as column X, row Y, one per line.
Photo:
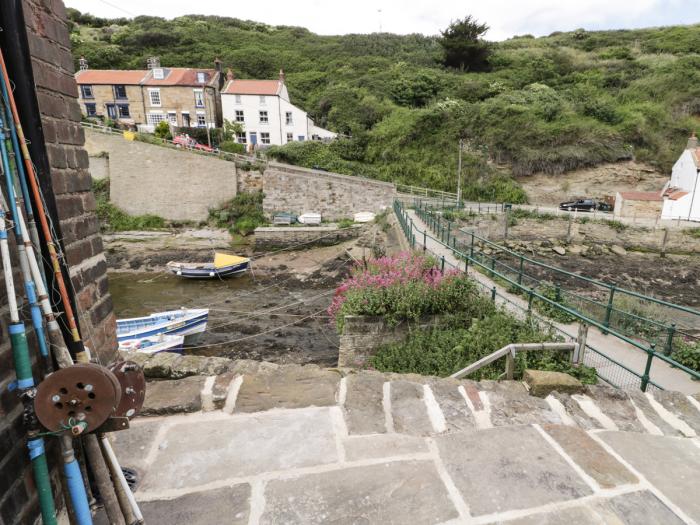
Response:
column 615, row 404
column 408, row 409
column 590, row 456
column 580, row 515
column 670, row 464
column 635, row 508
column 454, row 407
column 173, row 396
column 382, row 446
column 287, row 386
column 642, row 403
column 511, row 405
column 678, row 404
column 507, row 468
column 133, row 445
column 575, row 412
column 363, row 409
column 199, row 452
column 399, row 492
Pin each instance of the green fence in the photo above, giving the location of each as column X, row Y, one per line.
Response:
column 637, row 330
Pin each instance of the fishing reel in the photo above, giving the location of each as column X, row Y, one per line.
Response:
column 86, row 397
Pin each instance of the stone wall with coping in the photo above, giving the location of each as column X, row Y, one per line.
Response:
column 271, row 237
column 334, row 196
column 363, row 335
column 186, row 184
column 56, row 93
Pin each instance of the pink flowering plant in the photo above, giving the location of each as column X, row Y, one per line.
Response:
column 403, row 287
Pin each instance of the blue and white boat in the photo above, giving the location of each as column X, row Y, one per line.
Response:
column 224, row 265
column 186, row 322
column 154, row 344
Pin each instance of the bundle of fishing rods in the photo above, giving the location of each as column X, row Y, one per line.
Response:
column 72, row 399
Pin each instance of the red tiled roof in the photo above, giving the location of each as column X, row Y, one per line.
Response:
column 252, row 87
column 110, row 76
column 180, row 76
column 675, row 195
column 641, row 195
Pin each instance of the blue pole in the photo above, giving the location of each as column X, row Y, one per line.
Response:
column 76, row 488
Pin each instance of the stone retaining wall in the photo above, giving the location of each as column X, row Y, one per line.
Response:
column 362, row 336
column 270, row 237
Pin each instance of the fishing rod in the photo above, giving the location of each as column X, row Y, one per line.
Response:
column 25, row 386
column 81, row 355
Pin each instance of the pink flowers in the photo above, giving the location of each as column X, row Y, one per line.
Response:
column 387, row 272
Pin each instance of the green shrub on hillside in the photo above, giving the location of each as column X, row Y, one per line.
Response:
column 242, row 214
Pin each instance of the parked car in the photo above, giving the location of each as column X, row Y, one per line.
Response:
column 185, row 141
column 585, row 205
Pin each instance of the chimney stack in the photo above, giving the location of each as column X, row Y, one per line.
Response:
column 217, row 65
column 692, row 142
column 229, row 74
column 83, row 63
column 153, row 62
column 282, row 76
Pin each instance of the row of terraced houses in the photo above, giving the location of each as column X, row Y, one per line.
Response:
column 192, row 97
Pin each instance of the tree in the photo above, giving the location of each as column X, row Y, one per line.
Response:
column 463, row 45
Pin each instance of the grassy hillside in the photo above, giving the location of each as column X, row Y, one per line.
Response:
column 547, row 104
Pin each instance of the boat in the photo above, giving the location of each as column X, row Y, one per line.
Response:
column 310, row 218
column 284, row 218
column 224, row 265
column 186, row 322
column 364, row 216
column 154, row 344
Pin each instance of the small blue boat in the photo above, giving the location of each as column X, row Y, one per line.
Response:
column 154, row 344
column 224, row 265
column 189, row 323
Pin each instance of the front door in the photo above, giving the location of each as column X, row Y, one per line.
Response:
column 253, row 138
column 112, row 111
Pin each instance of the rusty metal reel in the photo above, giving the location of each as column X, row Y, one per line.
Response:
column 133, row 386
column 84, row 392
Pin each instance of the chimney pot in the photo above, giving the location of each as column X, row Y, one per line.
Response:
column 83, row 63
column 229, row 74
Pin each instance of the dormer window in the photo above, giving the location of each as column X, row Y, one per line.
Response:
column 201, row 77
column 158, row 73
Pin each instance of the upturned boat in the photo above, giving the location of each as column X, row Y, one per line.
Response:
column 186, row 322
column 224, row 265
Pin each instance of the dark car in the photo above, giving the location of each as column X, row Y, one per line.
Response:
column 584, row 205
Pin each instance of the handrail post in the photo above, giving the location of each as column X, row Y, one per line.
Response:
column 530, row 296
column 671, row 330
column 647, row 368
column 609, row 308
column 510, row 365
column 449, row 228
column 580, row 343
column 493, row 265
column 520, row 271
column 493, row 293
column 471, row 248
column 425, row 241
column 442, row 264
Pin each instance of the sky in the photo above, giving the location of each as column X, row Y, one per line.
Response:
column 506, row 18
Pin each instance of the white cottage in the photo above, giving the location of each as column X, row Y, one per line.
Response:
column 267, row 115
column 682, row 193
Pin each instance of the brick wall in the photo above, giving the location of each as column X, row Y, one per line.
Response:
column 56, row 93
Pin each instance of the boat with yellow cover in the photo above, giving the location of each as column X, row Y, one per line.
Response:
column 224, row 265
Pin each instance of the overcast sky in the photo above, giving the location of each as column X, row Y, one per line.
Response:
column 505, row 17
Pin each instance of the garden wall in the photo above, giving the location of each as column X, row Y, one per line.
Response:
column 271, row 237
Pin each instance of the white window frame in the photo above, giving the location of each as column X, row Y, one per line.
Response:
column 156, row 92
column 201, row 115
column 266, row 117
column 290, row 137
column 172, row 118
column 239, row 113
column 158, row 73
column 155, row 117
column 288, row 118
column 88, row 88
column 198, row 97
column 265, row 137
column 237, row 99
column 201, row 77
column 241, row 138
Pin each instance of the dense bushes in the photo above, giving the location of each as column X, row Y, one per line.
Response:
column 242, row 214
column 545, row 104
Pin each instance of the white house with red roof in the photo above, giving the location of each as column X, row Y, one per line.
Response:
column 682, row 193
column 264, row 110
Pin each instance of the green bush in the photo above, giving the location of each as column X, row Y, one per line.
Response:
column 162, row 130
column 230, row 146
column 345, row 223
column 687, row 353
column 242, row 214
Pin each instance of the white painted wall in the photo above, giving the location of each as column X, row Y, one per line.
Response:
column 680, row 209
column 684, row 176
column 684, row 172
column 301, row 128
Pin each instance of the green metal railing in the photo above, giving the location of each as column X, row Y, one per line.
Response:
column 470, row 253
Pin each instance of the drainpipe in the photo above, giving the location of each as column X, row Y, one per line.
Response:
column 695, row 190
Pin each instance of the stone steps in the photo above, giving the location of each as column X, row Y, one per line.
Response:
column 376, row 403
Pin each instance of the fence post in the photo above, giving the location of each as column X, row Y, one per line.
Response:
column 580, row 343
column 520, row 271
column 510, row 365
column 671, row 330
column 529, row 301
column 449, row 230
column 557, row 294
column 425, row 238
column 493, row 265
column 647, row 368
column 442, row 264
column 493, row 293
column 471, row 248
column 608, row 309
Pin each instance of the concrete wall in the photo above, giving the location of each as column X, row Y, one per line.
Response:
column 99, row 166
column 171, row 183
column 284, row 236
column 56, row 93
column 334, row 196
column 637, row 208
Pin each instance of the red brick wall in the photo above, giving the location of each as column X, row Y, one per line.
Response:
column 57, row 96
